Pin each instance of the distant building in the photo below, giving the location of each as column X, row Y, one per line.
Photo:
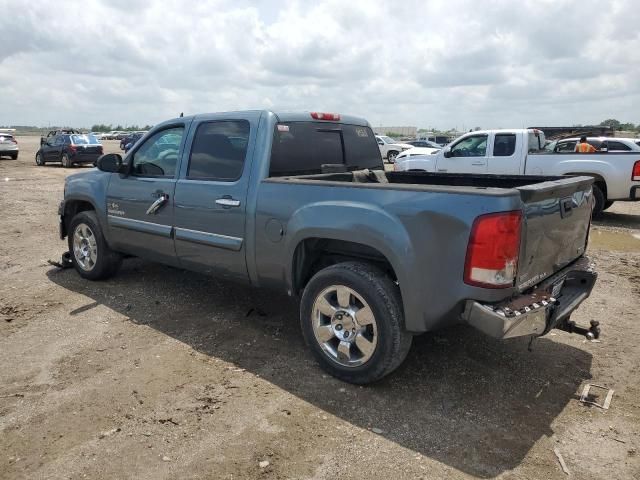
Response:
column 403, row 131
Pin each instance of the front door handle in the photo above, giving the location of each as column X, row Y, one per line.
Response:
column 155, row 206
column 442, row 169
column 228, row 202
column 478, row 163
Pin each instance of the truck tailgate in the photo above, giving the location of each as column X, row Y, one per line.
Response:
column 557, row 215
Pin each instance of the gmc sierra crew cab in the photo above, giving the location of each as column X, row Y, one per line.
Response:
column 301, row 202
column 616, row 173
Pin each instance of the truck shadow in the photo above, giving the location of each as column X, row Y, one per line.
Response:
column 463, row 399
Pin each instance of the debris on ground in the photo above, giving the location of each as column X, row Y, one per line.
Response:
column 587, row 398
column 264, row 464
column 561, row 460
column 109, row 433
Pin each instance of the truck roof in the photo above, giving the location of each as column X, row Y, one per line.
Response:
column 283, row 116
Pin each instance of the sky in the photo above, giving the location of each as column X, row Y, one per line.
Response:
column 431, row 64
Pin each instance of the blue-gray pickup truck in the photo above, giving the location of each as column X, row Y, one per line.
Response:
column 301, row 202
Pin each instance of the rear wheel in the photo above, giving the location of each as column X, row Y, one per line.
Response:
column 66, row 161
column 351, row 317
column 600, row 200
column 14, row 156
column 607, row 205
column 91, row 256
column 39, row 160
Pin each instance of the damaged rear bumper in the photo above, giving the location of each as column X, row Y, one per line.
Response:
column 549, row 305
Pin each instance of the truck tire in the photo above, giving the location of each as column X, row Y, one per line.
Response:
column 91, row 256
column 607, row 205
column 352, row 319
column 599, row 202
column 66, row 161
column 391, row 156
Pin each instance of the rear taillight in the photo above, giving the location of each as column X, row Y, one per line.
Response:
column 100, row 149
column 492, row 253
column 73, row 148
column 326, row 116
column 635, row 175
column 14, row 140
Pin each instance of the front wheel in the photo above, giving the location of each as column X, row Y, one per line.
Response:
column 391, row 156
column 352, row 319
column 607, row 205
column 91, row 256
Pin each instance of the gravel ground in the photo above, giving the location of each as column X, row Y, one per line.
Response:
column 161, row 373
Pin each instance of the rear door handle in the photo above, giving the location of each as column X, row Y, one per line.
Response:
column 478, row 163
column 442, row 169
column 228, row 202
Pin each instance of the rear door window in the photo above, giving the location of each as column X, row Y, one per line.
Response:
column 219, row 150
column 301, row 148
column 504, row 145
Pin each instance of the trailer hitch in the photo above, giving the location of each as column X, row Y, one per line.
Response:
column 592, row 333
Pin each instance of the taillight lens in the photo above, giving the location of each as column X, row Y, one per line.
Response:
column 492, row 253
column 72, row 148
column 325, row 116
column 635, row 175
column 14, row 140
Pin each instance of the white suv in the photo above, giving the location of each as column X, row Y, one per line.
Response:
column 389, row 148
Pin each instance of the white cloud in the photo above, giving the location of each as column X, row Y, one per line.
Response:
column 491, row 63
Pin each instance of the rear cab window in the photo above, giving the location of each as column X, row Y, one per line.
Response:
column 302, row 148
column 566, row 147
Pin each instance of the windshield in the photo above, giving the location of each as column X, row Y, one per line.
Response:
column 386, row 139
column 84, row 140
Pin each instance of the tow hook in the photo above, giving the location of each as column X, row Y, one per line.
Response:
column 592, row 333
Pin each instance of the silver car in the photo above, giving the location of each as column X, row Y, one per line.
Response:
column 8, row 145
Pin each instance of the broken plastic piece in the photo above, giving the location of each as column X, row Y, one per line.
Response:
column 584, row 398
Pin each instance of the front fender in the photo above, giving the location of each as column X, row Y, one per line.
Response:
column 90, row 187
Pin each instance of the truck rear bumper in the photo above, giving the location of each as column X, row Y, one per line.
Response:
column 548, row 305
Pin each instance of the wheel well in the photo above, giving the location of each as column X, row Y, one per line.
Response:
column 72, row 208
column 599, row 181
column 313, row 254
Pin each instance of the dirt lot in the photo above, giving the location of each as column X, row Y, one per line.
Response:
column 160, row 373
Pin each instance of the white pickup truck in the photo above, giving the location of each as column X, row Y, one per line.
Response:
column 521, row 152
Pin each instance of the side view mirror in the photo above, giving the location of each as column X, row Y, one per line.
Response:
column 447, row 152
column 110, row 162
